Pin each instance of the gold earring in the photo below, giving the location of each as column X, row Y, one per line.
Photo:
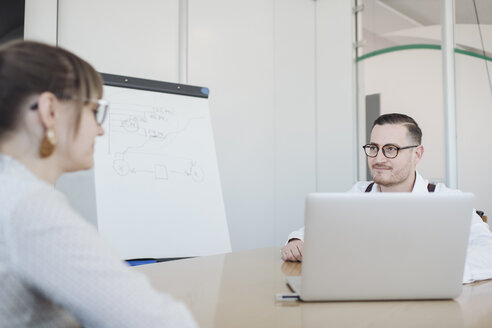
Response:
column 48, row 144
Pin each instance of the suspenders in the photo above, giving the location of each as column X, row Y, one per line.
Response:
column 430, row 187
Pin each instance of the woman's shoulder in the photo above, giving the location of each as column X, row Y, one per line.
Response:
column 16, row 188
column 27, row 201
column 44, row 205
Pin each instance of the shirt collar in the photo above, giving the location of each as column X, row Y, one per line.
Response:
column 420, row 185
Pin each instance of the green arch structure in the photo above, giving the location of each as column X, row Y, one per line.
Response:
column 418, row 46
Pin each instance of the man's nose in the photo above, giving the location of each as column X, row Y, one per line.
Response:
column 380, row 157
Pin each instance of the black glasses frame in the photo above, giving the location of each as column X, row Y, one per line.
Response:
column 384, row 149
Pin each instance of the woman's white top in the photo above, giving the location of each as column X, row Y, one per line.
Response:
column 55, row 270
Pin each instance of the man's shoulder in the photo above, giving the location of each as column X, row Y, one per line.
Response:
column 360, row 186
column 441, row 187
column 428, row 185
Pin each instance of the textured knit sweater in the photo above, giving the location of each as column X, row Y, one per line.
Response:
column 55, row 270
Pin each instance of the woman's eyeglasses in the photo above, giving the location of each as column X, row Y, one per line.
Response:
column 99, row 112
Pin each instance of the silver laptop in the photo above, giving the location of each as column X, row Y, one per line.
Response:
column 384, row 246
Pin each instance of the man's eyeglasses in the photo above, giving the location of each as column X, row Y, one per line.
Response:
column 389, row 150
column 99, row 112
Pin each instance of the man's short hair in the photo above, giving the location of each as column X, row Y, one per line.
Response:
column 396, row 118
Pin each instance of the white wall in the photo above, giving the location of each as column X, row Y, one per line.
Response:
column 123, row 37
column 411, row 82
column 474, row 118
column 234, row 57
column 261, row 77
column 281, row 80
column 336, row 116
column 40, row 21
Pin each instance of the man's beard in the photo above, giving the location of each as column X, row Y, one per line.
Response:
column 391, row 177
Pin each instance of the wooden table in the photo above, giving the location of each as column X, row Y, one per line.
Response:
column 238, row 290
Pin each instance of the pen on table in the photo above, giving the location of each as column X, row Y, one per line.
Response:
column 287, row 297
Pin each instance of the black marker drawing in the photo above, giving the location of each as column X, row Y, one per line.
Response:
column 140, row 140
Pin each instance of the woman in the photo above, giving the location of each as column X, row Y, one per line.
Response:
column 54, row 269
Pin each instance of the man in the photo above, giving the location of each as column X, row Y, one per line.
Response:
column 393, row 153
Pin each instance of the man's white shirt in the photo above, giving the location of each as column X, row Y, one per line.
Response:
column 478, row 264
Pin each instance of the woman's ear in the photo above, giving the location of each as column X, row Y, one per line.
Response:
column 47, row 109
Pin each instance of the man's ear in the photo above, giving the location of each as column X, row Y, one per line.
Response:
column 47, row 109
column 419, row 152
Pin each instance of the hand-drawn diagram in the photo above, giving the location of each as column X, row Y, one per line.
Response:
column 140, row 139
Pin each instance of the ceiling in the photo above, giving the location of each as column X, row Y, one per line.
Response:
column 427, row 12
column 384, row 16
column 389, row 23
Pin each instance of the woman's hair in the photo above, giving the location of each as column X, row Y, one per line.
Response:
column 28, row 68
